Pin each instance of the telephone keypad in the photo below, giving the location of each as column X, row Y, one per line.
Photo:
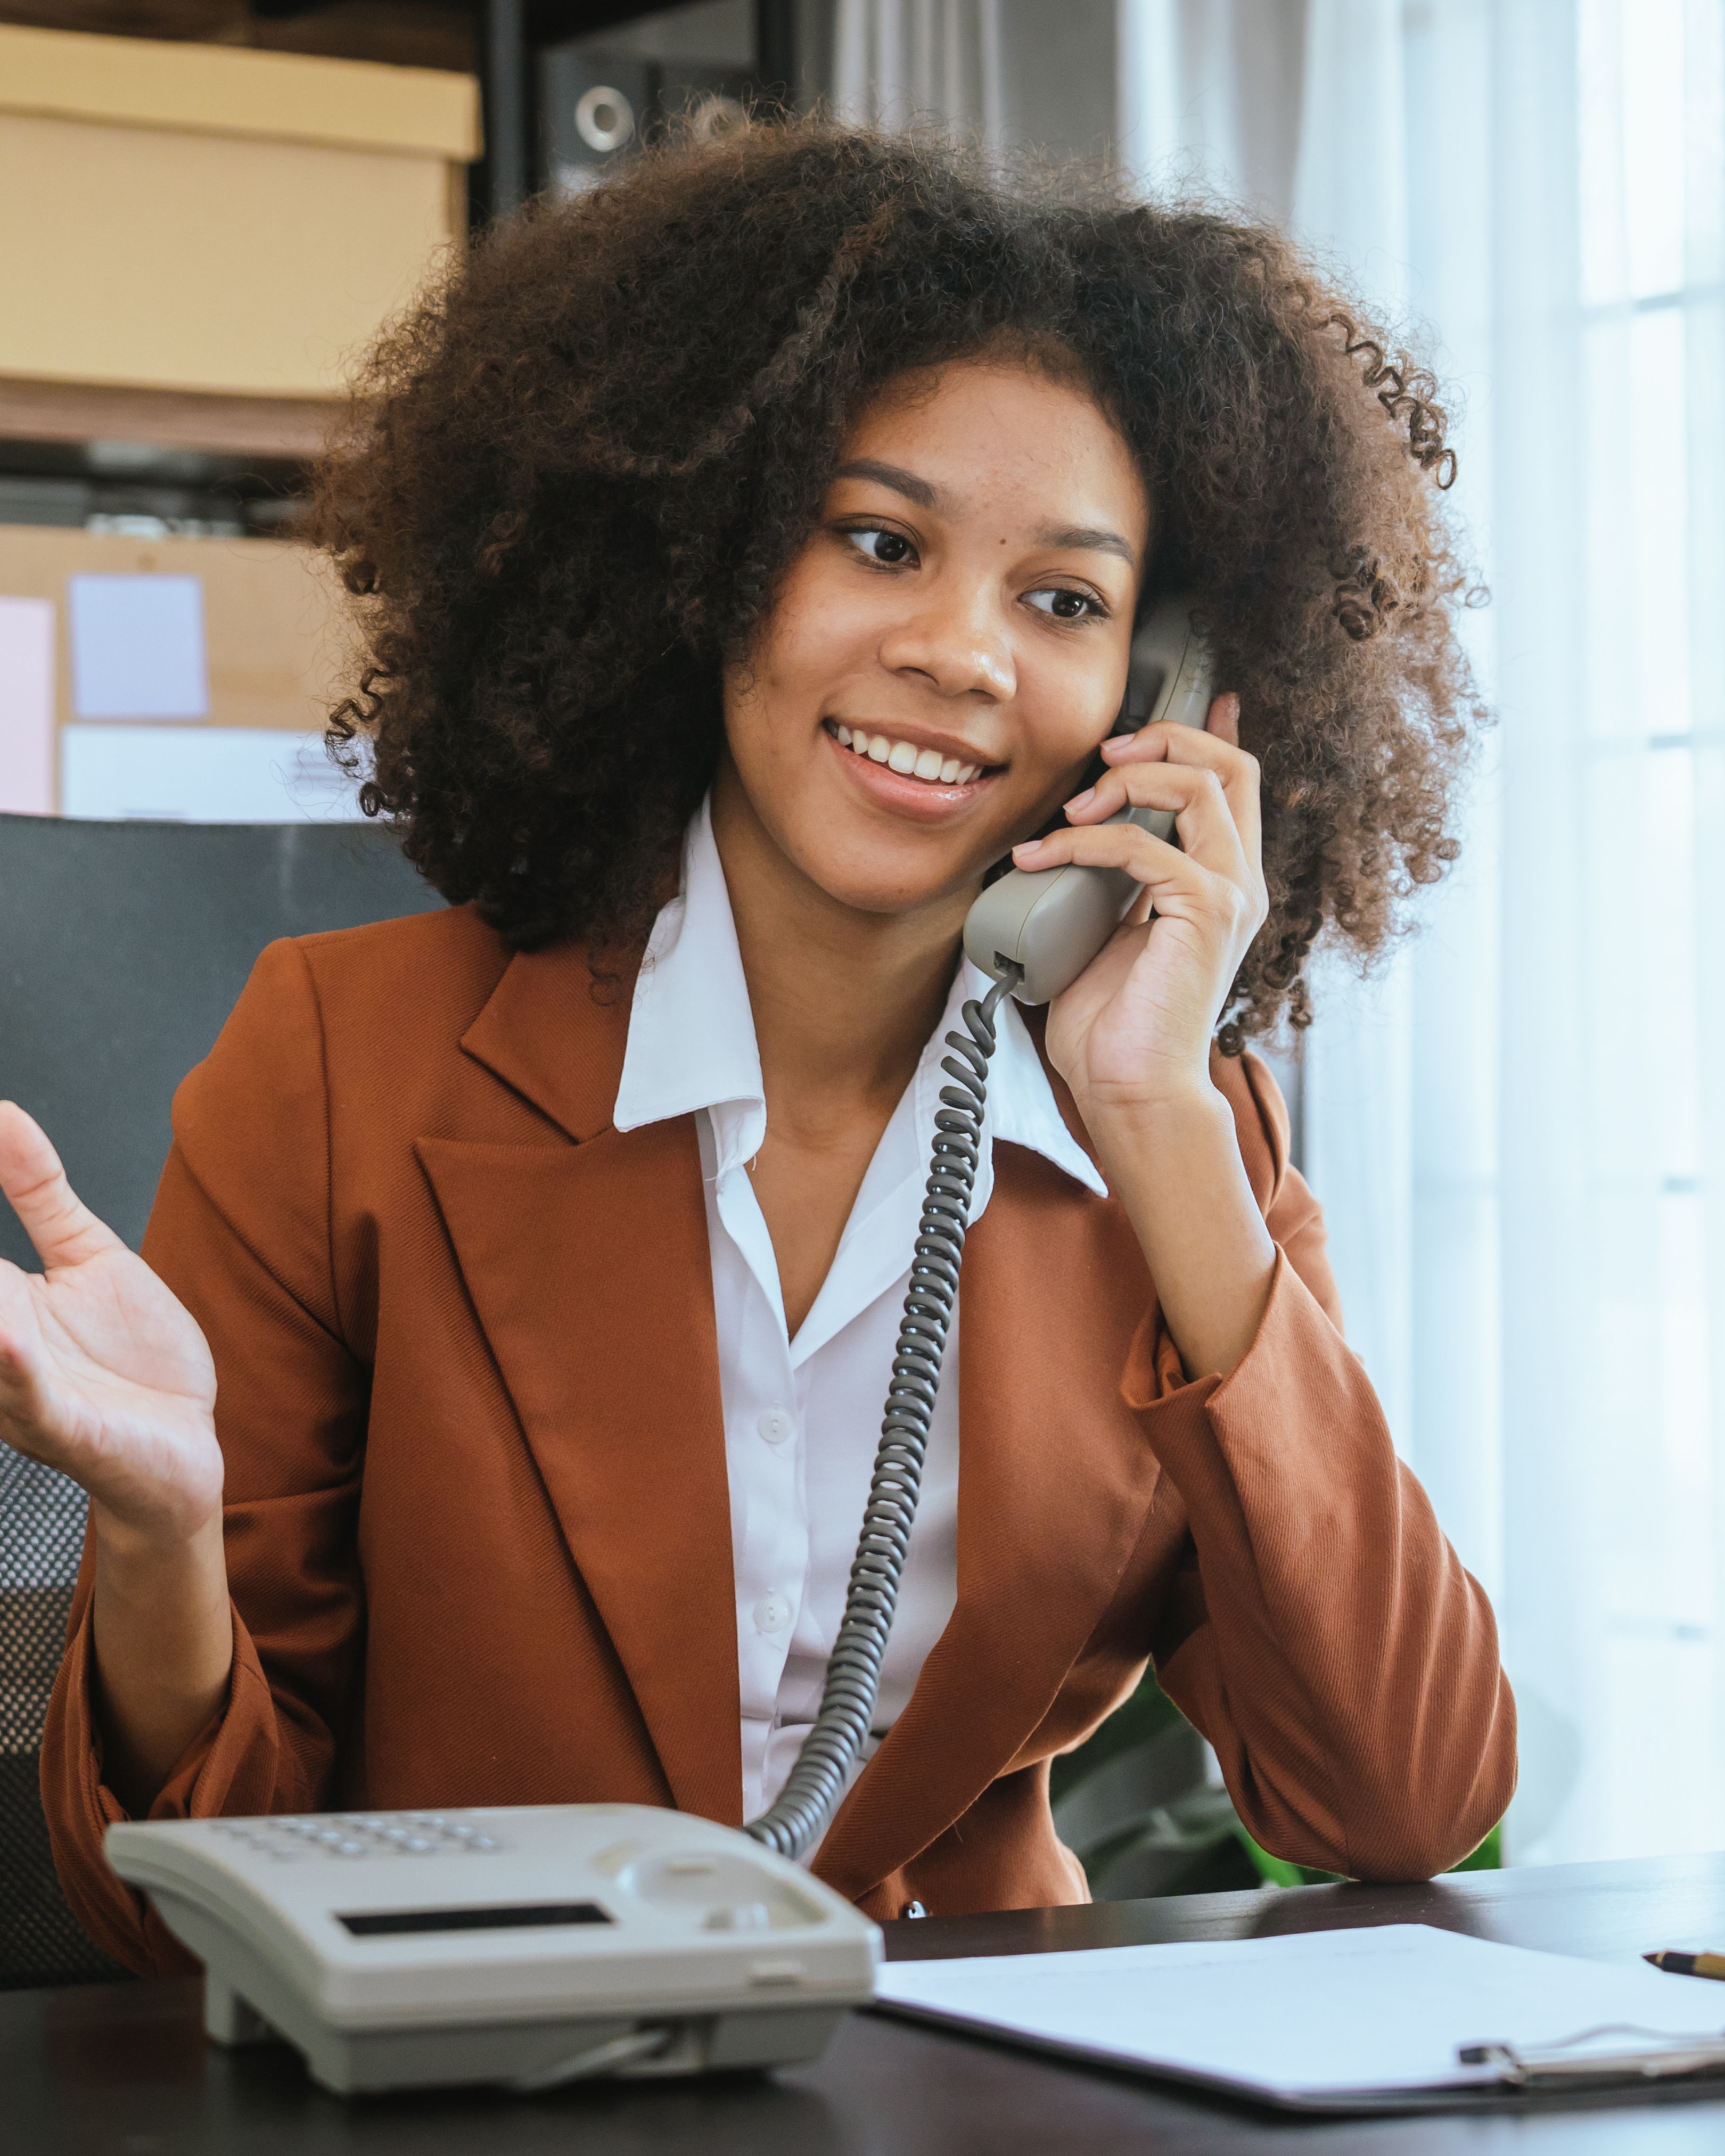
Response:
column 360, row 1834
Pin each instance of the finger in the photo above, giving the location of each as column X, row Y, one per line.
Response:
column 1223, row 720
column 64, row 1229
column 1173, row 879
column 1215, row 743
column 1215, row 748
column 1204, row 814
column 1174, row 885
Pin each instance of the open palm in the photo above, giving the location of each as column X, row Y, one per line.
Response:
column 104, row 1373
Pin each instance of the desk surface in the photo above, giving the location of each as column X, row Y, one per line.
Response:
column 123, row 2068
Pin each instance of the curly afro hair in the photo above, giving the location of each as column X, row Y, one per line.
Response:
column 572, row 476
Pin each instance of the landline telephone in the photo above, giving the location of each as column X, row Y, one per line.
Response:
column 541, row 1944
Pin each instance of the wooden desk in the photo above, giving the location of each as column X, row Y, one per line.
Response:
column 123, row 2068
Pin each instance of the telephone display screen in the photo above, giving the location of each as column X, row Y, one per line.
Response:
column 504, row 1916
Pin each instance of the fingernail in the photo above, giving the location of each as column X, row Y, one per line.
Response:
column 1079, row 800
column 1118, row 741
column 1027, row 846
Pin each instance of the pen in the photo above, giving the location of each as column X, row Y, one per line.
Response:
column 1689, row 1964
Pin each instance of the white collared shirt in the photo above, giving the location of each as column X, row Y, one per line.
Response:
column 802, row 1417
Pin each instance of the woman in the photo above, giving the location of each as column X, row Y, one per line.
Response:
column 749, row 554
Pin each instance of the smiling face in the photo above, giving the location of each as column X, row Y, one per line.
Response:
column 951, row 645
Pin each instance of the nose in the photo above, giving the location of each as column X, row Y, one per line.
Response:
column 955, row 640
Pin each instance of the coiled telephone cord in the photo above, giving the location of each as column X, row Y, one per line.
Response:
column 793, row 1823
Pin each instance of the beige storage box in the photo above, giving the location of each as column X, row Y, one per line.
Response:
column 187, row 218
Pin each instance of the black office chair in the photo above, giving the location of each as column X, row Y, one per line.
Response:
column 122, row 948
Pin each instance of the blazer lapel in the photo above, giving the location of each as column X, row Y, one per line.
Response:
column 1056, row 1481
column 555, row 1034
column 588, row 1268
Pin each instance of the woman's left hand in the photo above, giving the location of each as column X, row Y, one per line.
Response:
column 1133, row 1032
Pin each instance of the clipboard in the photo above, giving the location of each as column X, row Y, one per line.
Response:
column 1396, row 2018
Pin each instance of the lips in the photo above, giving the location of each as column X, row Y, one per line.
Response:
column 930, row 765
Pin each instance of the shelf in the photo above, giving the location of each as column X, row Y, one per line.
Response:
column 293, row 428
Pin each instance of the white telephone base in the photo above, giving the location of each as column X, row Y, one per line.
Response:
column 529, row 1945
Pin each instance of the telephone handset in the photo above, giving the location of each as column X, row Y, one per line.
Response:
column 1039, row 928
column 539, row 1944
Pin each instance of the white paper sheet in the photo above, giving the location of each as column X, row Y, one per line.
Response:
column 27, row 706
column 137, row 647
column 1310, row 2016
column 202, row 775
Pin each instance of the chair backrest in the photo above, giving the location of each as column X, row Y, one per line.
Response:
column 122, row 948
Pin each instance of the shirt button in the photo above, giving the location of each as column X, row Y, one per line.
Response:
column 771, row 1613
column 777, row 1424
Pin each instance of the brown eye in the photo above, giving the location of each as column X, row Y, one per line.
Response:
column 891, row 547
column 1064, row 604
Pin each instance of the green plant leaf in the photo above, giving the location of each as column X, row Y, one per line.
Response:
column 1489, row 1855
column 1277, row 1871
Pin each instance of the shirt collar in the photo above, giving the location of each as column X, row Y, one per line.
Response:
column 691, row 1036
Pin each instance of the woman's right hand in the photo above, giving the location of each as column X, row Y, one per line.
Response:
column 104, row 1373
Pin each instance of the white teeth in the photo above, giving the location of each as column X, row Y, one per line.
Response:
column 927, row 764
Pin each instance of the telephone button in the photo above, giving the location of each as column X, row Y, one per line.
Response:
column 772, row 1613
column 777, row 1424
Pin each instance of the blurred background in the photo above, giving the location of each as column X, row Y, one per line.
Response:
column 210, row 205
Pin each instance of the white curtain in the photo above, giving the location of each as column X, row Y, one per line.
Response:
column 1516, row 1129
column 896, row 62
column 1010, row 73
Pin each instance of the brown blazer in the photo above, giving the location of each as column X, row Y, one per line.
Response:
column 477, row 1520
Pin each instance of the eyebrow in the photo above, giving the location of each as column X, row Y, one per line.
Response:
column 901, row 481
column 1087, row 538
column 1074, row 538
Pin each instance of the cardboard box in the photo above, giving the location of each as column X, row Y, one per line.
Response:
column 195, row 218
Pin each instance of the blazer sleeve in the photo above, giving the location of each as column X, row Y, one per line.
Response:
column 240, row 1231
column 1321, row 1632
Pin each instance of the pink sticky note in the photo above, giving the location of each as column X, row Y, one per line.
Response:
column 27, row 706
